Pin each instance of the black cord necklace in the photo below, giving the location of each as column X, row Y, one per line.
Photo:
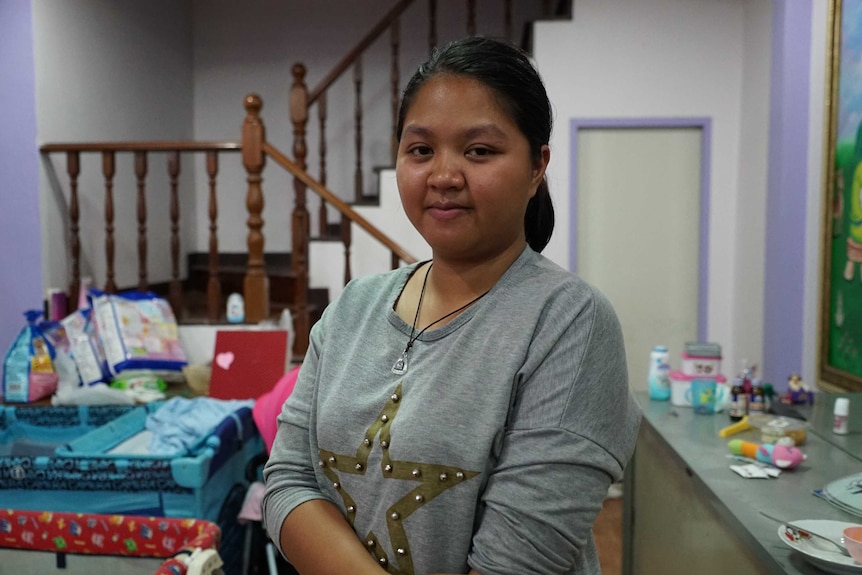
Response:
column 400, row 366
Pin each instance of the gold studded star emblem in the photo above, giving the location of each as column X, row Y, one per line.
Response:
column 432, row 480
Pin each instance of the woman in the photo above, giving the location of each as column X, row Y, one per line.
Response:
column 465, row 414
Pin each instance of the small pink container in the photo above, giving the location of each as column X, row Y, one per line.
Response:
column 700, row 365
column 853, row 542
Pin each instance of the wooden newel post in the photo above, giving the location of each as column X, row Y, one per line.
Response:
column 256, row 284
column 300, row 227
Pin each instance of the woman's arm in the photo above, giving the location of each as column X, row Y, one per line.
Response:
column 317, row 539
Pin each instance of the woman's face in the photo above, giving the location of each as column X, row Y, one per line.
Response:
column 464, row 170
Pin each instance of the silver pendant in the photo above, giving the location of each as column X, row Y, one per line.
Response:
column 400, row 366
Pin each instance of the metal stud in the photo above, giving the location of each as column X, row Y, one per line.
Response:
column 419, row 498
column 394, row 398
column 384, row 418
column 401, row 551
column 383, row 561
column 387, row 468
column 370, row 543
column 395, row 516
column 416, row 473
column 336, row 485
column 384, row 444
column 351, row 509
column 321, row 463
column 359, row 467
column 459, row 475
column 332, row 459
column 366, row 442
column 444, row 477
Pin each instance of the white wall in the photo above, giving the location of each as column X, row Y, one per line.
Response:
column 674, row 58
column 816, row 140
column 111, row 70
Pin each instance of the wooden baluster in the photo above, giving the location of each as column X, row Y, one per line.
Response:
column 73, row 168
column 432, row 26
column 357, row 83
column 256, row 283
column 395, row 260
column 213, row 284
column 141, row 175
column 507, row 20
column 471, row 17
column 323, row 218
column 395, row 44
column 346, row 240
column 175, row 291
column 299, row 221
column 108, row 173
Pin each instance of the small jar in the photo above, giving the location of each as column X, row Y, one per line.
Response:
column 841, row 412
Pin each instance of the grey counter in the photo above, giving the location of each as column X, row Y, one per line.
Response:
column 686, row 511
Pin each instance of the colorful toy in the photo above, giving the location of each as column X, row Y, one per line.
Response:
column 779, row 454
column 798, row 392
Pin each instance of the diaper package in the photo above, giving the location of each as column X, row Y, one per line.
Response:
column 28, row 368
column 64, row 365
column 86, row 347
column 138, row 332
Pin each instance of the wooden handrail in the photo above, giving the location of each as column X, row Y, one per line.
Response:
column 351, row 57
column 336, row 202
column 160, row 146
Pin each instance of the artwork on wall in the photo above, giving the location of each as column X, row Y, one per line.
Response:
column 840, row 357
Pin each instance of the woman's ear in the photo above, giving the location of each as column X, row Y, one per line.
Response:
column 540, row 165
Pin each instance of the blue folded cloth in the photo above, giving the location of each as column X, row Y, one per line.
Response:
column 181, row 423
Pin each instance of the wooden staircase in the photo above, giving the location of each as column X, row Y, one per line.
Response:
column 270, row 282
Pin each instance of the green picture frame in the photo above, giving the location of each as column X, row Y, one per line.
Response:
column 840, row 348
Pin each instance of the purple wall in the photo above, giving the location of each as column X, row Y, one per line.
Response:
column 784, row 281
column 20, row 234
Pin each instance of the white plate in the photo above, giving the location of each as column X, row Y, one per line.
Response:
column 822, row 553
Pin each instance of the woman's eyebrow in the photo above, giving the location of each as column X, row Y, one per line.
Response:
column 482, row 130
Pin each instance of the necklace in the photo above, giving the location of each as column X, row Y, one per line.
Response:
column 400, row 366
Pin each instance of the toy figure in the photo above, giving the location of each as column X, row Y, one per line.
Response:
column 779, row 454
column 798, row 393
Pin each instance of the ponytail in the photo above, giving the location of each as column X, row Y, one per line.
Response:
column 539, row 218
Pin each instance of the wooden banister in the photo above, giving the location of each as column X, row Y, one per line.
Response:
column 256, row 283
column 351, row 56
column 337, row 203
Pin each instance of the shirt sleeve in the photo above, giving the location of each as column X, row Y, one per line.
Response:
column 289, row 472
column 571, row 430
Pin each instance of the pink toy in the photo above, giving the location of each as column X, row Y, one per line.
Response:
column 779, row 455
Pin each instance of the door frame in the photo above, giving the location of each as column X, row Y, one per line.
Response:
column 704, row 124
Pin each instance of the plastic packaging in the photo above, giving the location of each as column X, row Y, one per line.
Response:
column 659, row 374
column 841, row 413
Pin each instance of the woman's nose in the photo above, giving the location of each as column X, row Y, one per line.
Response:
column 446, row 173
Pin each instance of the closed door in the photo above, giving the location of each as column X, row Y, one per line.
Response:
column 637, row 232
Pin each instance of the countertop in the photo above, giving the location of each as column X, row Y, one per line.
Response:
column 694, row 439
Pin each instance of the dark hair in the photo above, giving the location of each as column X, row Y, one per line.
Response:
column 508, row 71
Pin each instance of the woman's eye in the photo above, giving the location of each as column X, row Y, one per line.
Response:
column 420, row 151
column 479, row 152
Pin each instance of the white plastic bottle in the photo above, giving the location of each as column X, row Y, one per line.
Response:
column 841, row 412
column 658, row 377
column 235, row 308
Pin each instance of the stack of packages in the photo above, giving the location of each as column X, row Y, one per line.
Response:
column 120, row 349
column 699, row 360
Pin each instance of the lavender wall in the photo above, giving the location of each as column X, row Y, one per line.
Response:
column 784, row 281
column 20, row 239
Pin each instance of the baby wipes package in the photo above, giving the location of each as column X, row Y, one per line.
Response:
column 138, row 332
column 28, row 368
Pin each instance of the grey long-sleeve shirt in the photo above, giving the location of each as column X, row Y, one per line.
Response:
column 493, row 451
